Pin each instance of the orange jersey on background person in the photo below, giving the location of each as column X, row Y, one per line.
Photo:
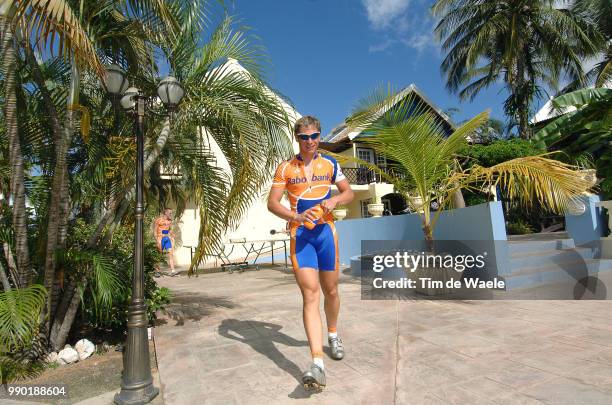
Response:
column 305, row 193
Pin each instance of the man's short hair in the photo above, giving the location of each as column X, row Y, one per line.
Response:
column 306, row 121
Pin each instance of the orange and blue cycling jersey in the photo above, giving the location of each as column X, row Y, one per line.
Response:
column 316, row 248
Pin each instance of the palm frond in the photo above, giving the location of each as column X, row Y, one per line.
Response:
column 19, row 311
column 535, row 178
column 46, row 21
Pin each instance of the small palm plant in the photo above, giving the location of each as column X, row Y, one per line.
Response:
column 19, row 312
column 424, row 159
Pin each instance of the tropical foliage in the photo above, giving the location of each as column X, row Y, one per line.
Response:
column 67, row 154
column 582, row 129
column 415, row 142
column 600, row 12
column 497, row 152
column 19, row 311
column 529, row 45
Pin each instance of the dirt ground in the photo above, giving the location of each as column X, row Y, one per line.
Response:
column 89, row 378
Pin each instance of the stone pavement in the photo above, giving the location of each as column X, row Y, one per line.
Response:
column 238, row 339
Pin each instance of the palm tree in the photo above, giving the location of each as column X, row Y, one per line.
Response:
column 95, row 29
column 231, row 106
column 524, row 43
column 225, row 102
column 599, row 11
column 16, row 188
column 413, row 138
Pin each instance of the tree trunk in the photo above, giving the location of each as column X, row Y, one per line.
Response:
column 458, row 201
column 524, row 129
column 522, row 96
column 60, row 178
column 429, row 240
column 66, row 324
column 61, row 312
column 56, row 128
column 17, row 186
column 125, row 204
column 5, row 281
column 12, row 266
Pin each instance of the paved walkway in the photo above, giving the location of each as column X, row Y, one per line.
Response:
column 239, row 339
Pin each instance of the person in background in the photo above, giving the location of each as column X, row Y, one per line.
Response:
column 165, row 237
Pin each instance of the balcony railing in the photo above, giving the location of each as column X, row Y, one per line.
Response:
column 363, row 175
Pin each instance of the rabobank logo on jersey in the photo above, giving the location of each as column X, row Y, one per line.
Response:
column 326, row 177
column 296, row 180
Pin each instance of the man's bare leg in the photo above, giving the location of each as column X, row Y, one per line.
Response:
column 308, row 281
column 170, row 253
column 329, row 285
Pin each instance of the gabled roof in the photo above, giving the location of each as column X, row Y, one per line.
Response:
column 232, row 65
column 342, row 133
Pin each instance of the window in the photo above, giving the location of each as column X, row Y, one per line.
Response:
column 365, row 154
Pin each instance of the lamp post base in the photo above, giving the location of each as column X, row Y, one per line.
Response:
column 136, row 382
column 137, row 396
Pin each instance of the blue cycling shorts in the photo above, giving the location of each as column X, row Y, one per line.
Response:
column 166, row 242
column 316, row 248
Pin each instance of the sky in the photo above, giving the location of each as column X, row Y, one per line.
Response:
column 326, row 55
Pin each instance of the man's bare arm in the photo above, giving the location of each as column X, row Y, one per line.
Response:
column 345, row 196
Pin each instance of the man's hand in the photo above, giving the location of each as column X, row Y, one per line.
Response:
column 306, row 215
column 329, row 205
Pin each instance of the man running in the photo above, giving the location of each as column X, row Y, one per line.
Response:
column 308, row 178
column 165, row 237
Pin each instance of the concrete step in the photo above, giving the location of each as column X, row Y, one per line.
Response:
column 521, row 247
column 542, row 236
column 563, row 271
column 520, row 260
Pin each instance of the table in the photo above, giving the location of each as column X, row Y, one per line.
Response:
column 251, row 247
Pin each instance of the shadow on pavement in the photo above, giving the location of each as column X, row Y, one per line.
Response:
column 192, row 307
column 235, row 329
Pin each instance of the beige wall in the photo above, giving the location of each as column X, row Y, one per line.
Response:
column 348, row 153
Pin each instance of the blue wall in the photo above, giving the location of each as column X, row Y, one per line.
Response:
column 589, row 226
column 484, row 222
column 480, row 222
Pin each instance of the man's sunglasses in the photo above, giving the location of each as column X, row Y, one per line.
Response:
column 305, row 137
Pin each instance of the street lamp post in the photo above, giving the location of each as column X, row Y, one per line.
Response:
column 137, row 383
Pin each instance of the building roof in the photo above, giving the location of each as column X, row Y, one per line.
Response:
column 341, row 132
column 548, row 112
column 232, row 65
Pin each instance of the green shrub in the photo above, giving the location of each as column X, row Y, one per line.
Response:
column 498, row 152
column 107, row 309
column 20, row 345
column 519, row 227
column 157, row 301
column 472, row 198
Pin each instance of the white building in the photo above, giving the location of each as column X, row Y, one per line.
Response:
column 257, row 222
